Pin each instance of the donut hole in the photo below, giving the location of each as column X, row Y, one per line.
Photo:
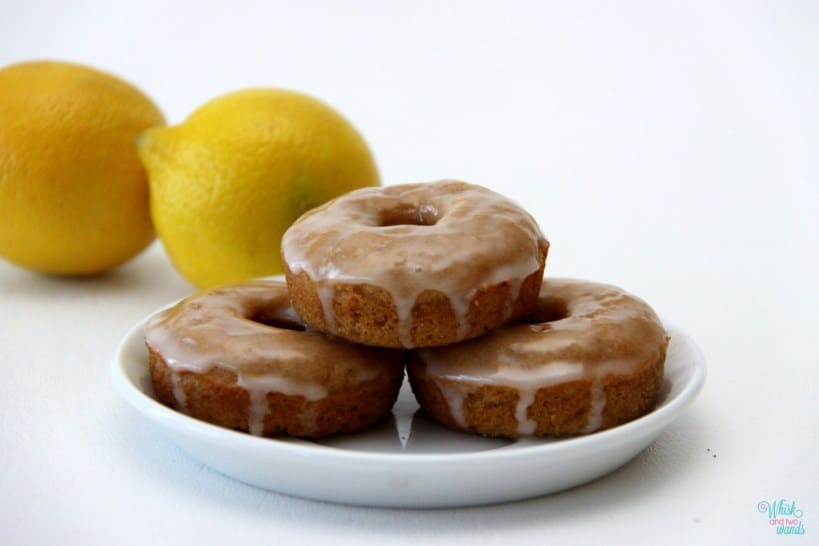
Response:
column 409, row 215
column 276, row 320
column 547, row 310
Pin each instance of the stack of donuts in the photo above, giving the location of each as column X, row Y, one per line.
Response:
column 441, row 279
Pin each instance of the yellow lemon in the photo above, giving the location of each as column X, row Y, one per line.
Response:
column 73, row 193
column 227, row 182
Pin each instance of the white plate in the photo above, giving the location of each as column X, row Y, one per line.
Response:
column 408, row 460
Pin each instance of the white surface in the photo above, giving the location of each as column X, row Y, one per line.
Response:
column 408, row 461
column 670, row 148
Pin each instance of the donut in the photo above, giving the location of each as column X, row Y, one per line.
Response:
column 414, row 265
column 588, row 357
column 239, row 357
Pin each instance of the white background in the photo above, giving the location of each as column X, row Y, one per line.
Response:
column 668, row 147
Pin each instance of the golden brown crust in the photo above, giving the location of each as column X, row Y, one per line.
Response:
column 367, row 314
column 559, row 410
column 215, row 397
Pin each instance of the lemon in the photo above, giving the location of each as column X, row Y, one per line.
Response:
column 73, row 193
column 227, row 182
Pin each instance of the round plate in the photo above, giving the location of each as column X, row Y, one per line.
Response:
column 409, row 460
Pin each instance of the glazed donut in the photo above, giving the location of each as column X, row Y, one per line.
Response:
column 240, row 357
column 589, row 357
column 414, row 265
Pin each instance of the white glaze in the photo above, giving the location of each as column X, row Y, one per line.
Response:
column 448, row 236
column 604, row 332
column 598, row 404
column 217, row 329
column 178, row 391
